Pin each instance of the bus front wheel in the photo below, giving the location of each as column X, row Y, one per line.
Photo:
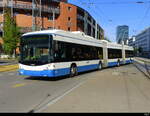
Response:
column 73, row 71
column 118, row 63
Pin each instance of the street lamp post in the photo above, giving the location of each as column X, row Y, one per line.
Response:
column 11, row 8
column 40, row 15
column 53, row 19
column 33, row 15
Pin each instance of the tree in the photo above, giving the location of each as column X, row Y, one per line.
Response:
column 140, row 50
column 1, row 48
column 136, row 50
column 11, row 33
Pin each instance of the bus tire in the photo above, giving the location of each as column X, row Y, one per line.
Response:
column 131, row 61
column 118, row 63
column 73, row 71
column 99, row 66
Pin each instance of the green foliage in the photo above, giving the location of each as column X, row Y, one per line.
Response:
column 1, row 48
column 11, row 33
column 136, row 50
column 140, row 49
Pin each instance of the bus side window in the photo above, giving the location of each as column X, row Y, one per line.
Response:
column 59, row 51
column 100, row 53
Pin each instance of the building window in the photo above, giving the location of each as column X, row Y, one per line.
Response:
column 69, row 29
column 16, row 13
column 69, row 18
column 50, row 28
column 50, row 18
column 69, row 8
column 1, row 13
column 28, row 14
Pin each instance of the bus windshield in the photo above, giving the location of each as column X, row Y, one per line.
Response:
column 35, row 49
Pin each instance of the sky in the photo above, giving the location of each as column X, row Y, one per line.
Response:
column 111, row 13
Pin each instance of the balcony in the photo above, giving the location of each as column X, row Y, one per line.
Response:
column 25, row 29
column 48, row 9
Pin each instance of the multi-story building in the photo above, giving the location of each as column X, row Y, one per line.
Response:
column 143, row 41
column 131, row 41
column 51, row 14
column 122, row 34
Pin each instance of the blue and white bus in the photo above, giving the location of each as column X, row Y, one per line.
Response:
column 54, row 53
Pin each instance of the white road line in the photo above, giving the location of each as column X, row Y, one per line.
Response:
column 59, row 97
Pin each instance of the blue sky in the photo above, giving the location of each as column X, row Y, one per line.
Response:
column 111, row 13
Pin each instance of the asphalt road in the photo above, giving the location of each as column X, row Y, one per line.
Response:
column 122, row 89
column 23, row 94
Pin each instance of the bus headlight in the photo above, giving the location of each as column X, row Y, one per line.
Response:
column 20, row 67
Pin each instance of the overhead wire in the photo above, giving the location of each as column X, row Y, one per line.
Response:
column 145, row 15
column 115, row 3
column 99, row 14
column 91, row 3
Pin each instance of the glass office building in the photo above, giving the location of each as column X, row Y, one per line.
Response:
column 122, row 34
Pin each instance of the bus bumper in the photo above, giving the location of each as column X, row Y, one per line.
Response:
column 45, row 73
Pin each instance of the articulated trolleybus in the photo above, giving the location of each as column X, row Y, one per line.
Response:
column 54, row 53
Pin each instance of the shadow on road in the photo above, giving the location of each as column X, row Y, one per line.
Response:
column 47, row 78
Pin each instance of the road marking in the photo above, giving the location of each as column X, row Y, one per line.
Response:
column 59, row 97
column 6, row 68
column 19, row 85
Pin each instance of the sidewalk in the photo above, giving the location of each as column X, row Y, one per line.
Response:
column 122, row 89
column 8, row 65
column 143, row 59
column 7, row 62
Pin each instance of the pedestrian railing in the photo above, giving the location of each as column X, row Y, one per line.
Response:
column 144, row 63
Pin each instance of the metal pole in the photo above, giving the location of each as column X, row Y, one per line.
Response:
column 53, row 19
column 3, row 17
column 96, row 30
column 11, row 8
column 40, row 15
column 33, row 17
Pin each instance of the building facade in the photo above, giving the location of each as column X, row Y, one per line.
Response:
column 34, row 15
column 143, row 41
column 122, row 34
column 131, row 41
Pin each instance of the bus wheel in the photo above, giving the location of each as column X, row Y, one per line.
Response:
column 118, row 63
column 73, row 71
column 100, row 66
column 131, row 60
